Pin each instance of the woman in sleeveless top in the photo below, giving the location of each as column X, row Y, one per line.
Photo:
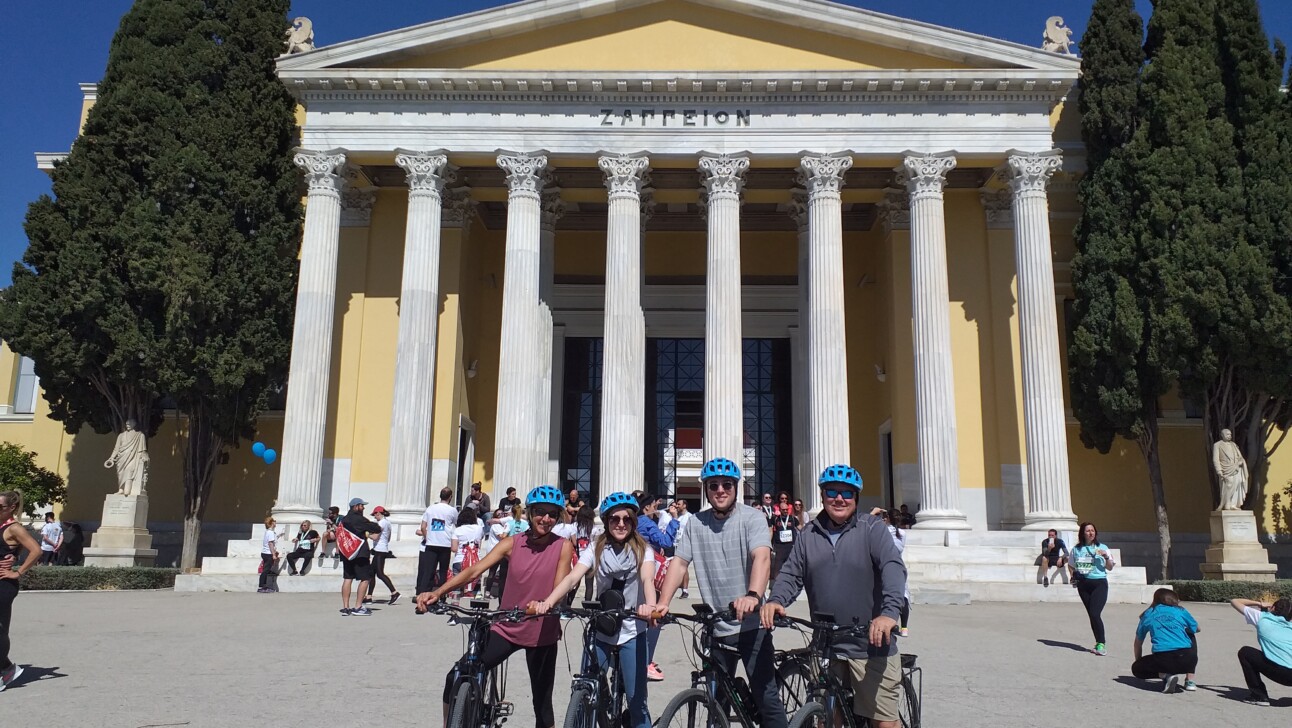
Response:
column 13, row 538
column 539, row 560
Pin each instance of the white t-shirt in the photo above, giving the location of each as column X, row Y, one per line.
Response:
column 622, row 565
column 50, row 533
column 271, row 539
column 466, row 535
column 682, row 520
column 439, row 525
column 565, row 530
column 664, row 519
column 383, row 541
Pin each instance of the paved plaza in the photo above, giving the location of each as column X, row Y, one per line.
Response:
column 135, row 659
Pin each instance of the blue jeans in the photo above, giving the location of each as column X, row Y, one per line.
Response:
column 632, row 665
column 652, row 639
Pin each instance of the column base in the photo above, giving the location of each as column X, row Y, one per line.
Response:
column 942, row 520
column 1045, row 520
column 293, row 514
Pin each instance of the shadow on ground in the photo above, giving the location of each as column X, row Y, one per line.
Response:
column 1066, row 645
column 31, row 674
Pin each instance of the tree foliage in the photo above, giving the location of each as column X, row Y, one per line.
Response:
column 39, row 486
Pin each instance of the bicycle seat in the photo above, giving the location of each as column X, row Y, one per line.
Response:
column 908, row 661
column 702, row 609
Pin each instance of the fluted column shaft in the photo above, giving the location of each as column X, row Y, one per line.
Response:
column 724, row 429
column 935, row 403
column 1045, row 428
column 412, row 416
column 552, row 210
column 623, row 385
column 805, row 479
column 827, row 337
column 515, row 432
column 305, row 423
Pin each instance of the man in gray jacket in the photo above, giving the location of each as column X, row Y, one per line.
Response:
column 845, row 561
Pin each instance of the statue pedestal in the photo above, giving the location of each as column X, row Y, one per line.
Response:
column 123, row 538
column 1236, row 553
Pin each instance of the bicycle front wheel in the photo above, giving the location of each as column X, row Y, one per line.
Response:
column 793, row 679
column 463, row 709
column 812, row 715
column 908, row 706
column 692, row 708
column 583, row 710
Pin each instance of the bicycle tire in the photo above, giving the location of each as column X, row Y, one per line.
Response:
column 462, row 711
column 693, row 708
column 812, row 715
column 793, row 681
column 908, row 707
column 582, row 711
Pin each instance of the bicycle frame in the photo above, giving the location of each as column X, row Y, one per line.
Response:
column 712, row 675
column 609, row 697
column 490, row 685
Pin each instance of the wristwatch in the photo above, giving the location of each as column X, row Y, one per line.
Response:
column 755, row 595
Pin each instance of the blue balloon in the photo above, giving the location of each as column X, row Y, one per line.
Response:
column 270, row 456
column 258, row 449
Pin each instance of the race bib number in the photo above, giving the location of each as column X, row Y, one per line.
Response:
column 1084, row 564
column 437, row 524
column 306, row 544
column 785, row 535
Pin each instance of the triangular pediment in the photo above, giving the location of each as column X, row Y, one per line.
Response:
column 678, row 35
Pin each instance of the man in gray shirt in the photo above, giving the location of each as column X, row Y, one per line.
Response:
column 732, row 552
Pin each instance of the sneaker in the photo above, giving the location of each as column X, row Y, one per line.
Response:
column 1190, row 685
column 1100, row 649
column 1045, row 581
column 361, row 612
column 1172, row 684
column 291, row 573
column 345, row 612
column 653, row 673
column 904, row 632
column 262, row 590
column 686, row 593
column 1254, row 699
column 393, row 598
column 8, row 677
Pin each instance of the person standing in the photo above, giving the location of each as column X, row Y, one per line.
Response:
column 303, row 545
column 465, row 544
column 683, row 517
column 891, row 519
column 539, row 561
column 268, row 558
column 1053, row 553
column 1273, row 659
column 1090, row 564
column 661, row 541
column 785, row 529
column 381, row 552
column 437, row 542
column 14, row 538
column 51, row 540
column 732, row 553
column 359, row 567
column 851, row 569
column 73, row 551
column 1175, row 650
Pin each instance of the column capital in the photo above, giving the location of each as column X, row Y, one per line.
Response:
column 459, row 208
column 356, row 206
column 895, row 210
column 524, row 171
column 998, row 205
column 322, row 169
column 723, row 174
column 553, row 208
column 924, row 175
column 1030, row 172
column 647, row 204
column 625, row 174
column 427, row 171
column 823, row 173
column 798, row 207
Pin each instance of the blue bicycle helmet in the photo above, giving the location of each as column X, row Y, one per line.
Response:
column 545, row 494
column 618, row 500
column 845, row 474
column 720, row 467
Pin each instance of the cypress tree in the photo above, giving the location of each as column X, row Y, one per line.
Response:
column 167, row 255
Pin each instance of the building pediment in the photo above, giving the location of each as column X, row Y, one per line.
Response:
column 686, row 36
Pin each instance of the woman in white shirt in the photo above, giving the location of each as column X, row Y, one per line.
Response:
column 465, row 543
column 381, row 552
column 268, row 556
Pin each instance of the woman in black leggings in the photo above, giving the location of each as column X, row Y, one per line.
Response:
column 13, row 539
column 1090, row 564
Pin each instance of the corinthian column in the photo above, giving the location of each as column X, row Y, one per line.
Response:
column 827, row 352
column 935, row 403
column 724, row 411
column 805, row 479
column 623, row 386
column 1045, row 429
column 517, row 424
column 409, row 463
column 305, row 424
column 553, row 208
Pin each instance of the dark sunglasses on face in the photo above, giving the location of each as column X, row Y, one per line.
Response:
column 620, row 520
column 845, row 493
column 543, row 512
column 718, row 485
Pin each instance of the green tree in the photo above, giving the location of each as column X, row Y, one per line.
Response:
column 19, row 471
column 1117, row 370
column 169, row 248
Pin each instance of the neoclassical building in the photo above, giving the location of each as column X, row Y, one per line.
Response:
column 595, row 242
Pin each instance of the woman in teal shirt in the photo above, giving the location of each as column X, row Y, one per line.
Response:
column 1175, row 651
column 1090, row 564
column 1273, row 659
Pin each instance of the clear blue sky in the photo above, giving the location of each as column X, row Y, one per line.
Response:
column 48, row 47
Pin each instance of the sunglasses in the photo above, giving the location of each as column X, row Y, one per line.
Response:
column 716, row 485
column 620, row 520
column 845, row 493
column 543, row 513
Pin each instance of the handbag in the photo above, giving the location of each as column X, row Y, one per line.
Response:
column 611, row 599
column 661, row 569
column 348, row 544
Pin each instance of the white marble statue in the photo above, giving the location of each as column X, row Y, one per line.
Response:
column 1231, row 471
column 300, row 37
column 1058, row 36
column 130, row 458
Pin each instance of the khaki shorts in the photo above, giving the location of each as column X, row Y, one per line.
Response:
column 876, row 685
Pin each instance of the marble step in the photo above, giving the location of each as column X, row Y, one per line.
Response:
column 251, row 549
column 1028, row 539
column 926, row 553
column 997, row 591
column 248, row 565
column 1021, row 573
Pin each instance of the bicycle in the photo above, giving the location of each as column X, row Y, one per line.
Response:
column 477, row 698
column 714, row 690
column 830, row 693
column 597, row 695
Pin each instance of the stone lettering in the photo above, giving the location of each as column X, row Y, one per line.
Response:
column 688, row 117
column 668, row 114
column 742, row 117
column 721, row 117
column 627, row 117
column 605, row 117
column 661, row 117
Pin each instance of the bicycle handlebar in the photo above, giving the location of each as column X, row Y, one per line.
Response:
column 857, row 630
